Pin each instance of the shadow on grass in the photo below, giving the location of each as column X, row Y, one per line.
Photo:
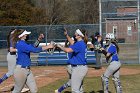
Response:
column 67, row 92
column 84, row 92
column 100, row 91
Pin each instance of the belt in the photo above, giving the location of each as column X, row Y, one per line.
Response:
column 115, row 60
column 77, row 65
column 27, row 67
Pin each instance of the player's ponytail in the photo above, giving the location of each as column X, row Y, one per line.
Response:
column 10, row 38
column 116, row 44
column 15, row 36
column 85, row 38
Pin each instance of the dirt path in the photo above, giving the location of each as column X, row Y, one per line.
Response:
column 48, row 74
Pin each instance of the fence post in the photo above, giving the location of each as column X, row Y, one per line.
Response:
column 138, row 6
column 46, row 32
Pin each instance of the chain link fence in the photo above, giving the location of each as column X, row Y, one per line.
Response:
column 51, row 32
column 117, row 16
column 121, row 18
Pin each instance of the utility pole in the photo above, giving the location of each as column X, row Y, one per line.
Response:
column 138, row 7
column 100, row 17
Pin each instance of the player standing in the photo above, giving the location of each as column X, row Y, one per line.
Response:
column 68, row 43
column 111, row 52
column 78, row 60
column 97, row 42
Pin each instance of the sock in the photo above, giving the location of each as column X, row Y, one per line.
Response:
column 63, row 87
column 0, row 80
column 3, row 78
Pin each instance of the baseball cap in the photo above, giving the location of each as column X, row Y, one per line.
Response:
column 97, row 34
column 24, row 33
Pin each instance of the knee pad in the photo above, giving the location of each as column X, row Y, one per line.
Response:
column 10, row 73
column 105, row 83
column 66, row 85
column 117, row 84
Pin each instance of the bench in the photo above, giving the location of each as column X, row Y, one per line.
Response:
column 59, row 58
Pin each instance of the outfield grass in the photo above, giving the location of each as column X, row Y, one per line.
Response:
column 132, row 66
column 130, row 84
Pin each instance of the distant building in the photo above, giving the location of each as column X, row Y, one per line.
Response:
column 124, row 24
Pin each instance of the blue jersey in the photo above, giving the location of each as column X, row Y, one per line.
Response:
column 23, row 52
column 79, row 53
column 113, row 50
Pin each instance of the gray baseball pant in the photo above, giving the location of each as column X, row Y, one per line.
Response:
column 78, row 74
column 69, row 70
column 24, row 76
column 11, row 64
column 98, row 58
column 113, row 69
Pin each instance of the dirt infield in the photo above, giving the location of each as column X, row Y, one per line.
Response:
column 46, row 74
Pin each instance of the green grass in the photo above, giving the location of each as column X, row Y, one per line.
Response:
column 130, row 84
column 132, row 66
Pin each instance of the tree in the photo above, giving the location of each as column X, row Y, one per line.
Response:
column 20, row 12
column 48, row 12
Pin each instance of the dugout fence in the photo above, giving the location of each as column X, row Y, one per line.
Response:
column 52, row 33
column 128, row 51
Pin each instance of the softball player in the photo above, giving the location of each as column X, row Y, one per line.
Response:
column 22, row 72
column 78, row 60
column 98, row 42
column 111, row 52
column 11, row 55
column 68, row 43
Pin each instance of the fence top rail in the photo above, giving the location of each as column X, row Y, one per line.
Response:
column 117, row 0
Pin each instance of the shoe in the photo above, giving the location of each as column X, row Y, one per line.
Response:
column 12, row 88
column 25, row 90
column 98, row 68
column 56, row 91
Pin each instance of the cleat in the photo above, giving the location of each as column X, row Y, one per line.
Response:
column 25, row 90
column 12, row 88
column 56, row 91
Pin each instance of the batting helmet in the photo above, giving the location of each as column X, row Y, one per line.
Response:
column 110, row 36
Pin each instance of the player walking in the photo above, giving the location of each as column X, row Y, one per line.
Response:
column 111, row 52
column 11, row 55
column 78, row 60
column 22, row 73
